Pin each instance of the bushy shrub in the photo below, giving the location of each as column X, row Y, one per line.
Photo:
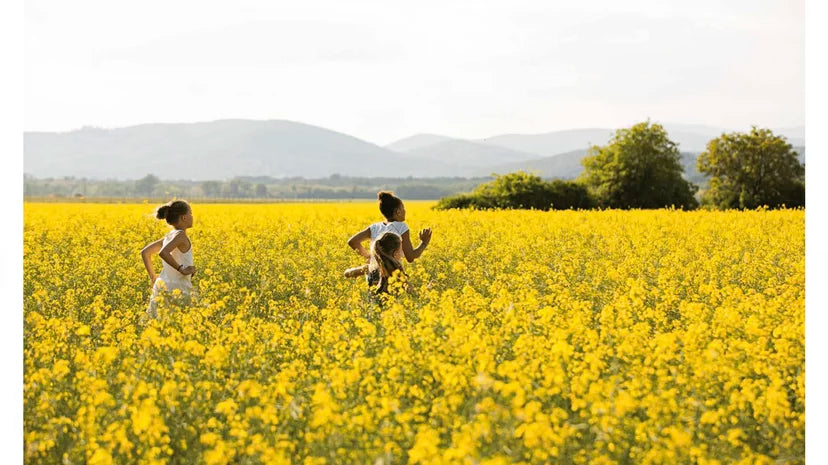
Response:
column 521, row 191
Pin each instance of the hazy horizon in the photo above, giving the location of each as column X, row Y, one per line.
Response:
column 685, row 125
column 384, row 72
column 276, row 148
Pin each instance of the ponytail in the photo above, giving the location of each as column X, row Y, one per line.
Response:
column 383, row 260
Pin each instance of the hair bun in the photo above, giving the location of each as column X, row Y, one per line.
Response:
column 161, row 213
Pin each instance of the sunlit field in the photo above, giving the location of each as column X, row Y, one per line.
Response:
column 662, row 337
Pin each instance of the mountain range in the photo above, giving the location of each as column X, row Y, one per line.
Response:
column 227, row 148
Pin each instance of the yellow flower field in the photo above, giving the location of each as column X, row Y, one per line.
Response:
column 641, row 337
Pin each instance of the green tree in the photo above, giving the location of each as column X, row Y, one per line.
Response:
column 639, row 168
column 261, row 191
column 211, row 188
column 233, row 188
column 146, row 185
column 245, row 189
column 749, row 170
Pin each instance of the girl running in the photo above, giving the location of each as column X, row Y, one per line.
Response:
column 393, row 210
column 386, row 259
column 176, row 252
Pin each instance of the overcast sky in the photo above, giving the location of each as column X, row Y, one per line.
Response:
column 381, row 71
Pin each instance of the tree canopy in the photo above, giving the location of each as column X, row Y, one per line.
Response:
column 639, row 168
column 145, row 185
column 749, row 170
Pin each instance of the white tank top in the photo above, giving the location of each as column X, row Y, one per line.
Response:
column 377, row 229
column 171, row 277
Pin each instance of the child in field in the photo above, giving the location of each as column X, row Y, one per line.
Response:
column 393, row 210
column 385, row 259
column 176, row 252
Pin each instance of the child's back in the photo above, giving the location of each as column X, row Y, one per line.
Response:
column 397, row 227
column 393, row 210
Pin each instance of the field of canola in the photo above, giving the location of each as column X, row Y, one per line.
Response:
column 643, row 337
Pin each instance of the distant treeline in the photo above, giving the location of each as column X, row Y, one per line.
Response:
column 332, row 187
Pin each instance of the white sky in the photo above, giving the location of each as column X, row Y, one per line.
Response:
column 382, row 71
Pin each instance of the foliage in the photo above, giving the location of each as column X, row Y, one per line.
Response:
column 639, row 168
column 145, row 185
column 749, row 170
column 521, row 190
column 530, row 337
column 211, row 188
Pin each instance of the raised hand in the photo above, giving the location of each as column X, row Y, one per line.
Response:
column 425, row 235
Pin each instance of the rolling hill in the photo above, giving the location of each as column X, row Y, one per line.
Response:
column 565, row 165
column 552, row 143
column 464, row 157
column 212, row 150
column 417, row 141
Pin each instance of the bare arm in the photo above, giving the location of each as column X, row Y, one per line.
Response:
column 179, row 239
column 356, row 271
column 357, row 239
column 146, row 255
column 410, row 252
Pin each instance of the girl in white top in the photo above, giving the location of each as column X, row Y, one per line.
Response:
column 176, row 252
column 393, row 210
